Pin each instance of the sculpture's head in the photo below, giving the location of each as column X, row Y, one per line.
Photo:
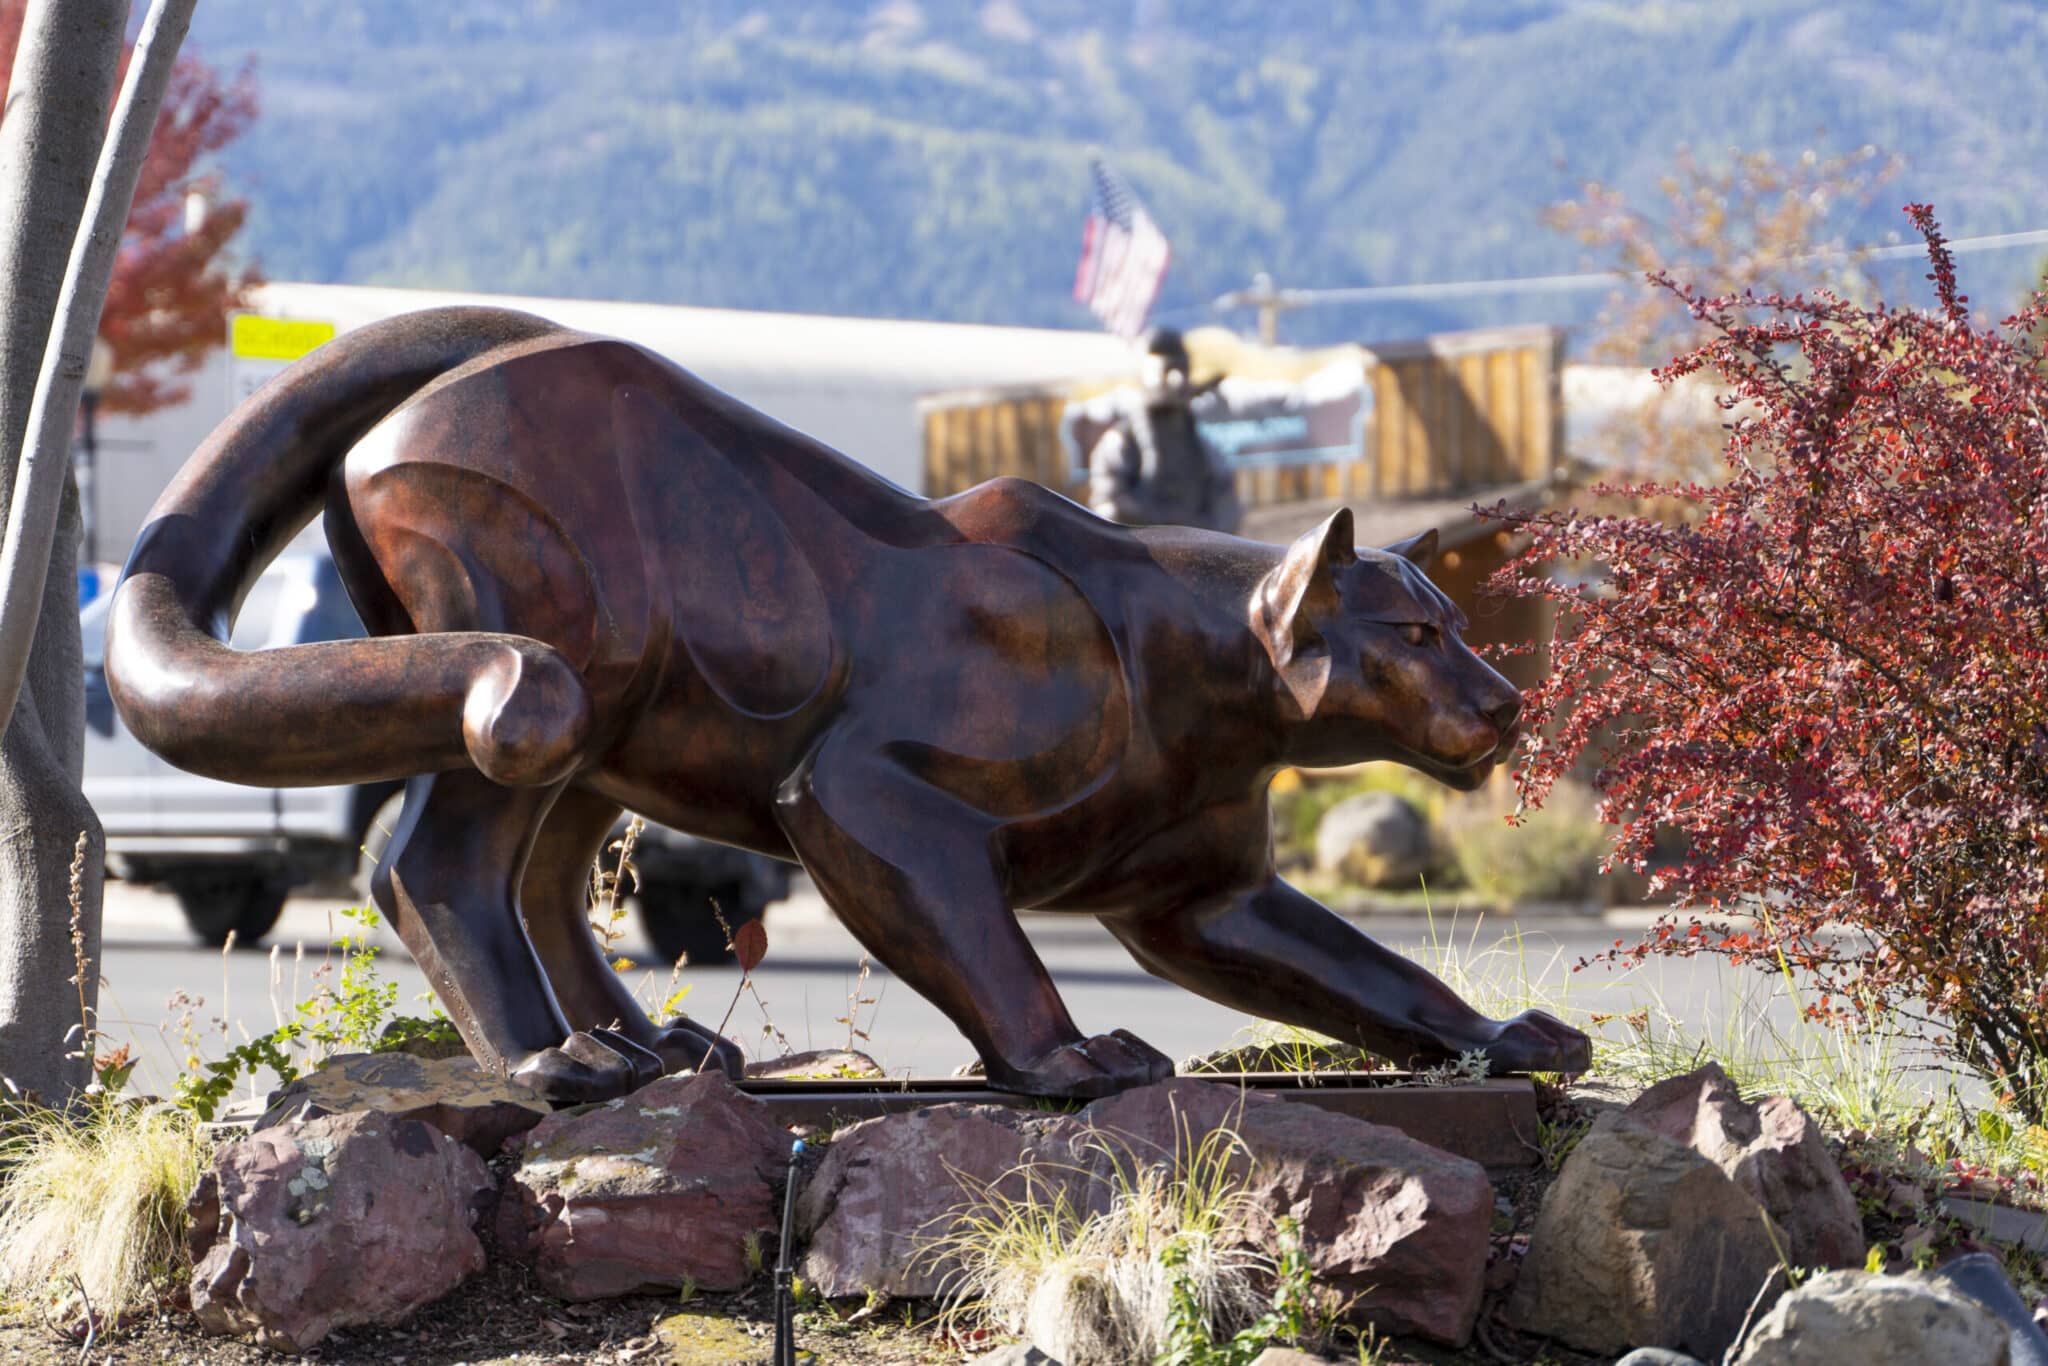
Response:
column 1371, row 662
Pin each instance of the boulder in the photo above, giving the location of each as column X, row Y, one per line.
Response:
column 453, row 1094
column 1642, row 1241
column 1637, row 1243
column 1398, row 1228
column 1771, row 1149
column 890, row 1188
column 1288, row 1356
column 1399, row 1225
column 1375, row 839
column 674, row 1183
column 1872, row 1320
column 1658, row 1356
column 344, row 1220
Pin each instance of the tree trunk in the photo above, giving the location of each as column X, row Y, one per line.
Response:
column 49, row 143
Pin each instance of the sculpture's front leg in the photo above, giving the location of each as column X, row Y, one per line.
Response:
column 1274, row 952
column 908, row 869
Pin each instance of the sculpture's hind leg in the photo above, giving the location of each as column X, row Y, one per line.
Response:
column 449, row 884
column 554, row 900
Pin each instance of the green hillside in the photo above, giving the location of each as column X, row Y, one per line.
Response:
column 929, row 159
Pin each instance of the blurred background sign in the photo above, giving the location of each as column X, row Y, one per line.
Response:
column 260, row 346
column 1252, row 421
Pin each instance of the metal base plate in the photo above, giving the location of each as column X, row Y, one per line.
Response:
column 1492, row 1122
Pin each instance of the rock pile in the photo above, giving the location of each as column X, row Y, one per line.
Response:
column 1664, row 1229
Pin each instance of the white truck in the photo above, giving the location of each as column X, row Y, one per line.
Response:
column 231, row 854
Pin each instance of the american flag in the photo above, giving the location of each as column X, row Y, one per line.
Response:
column 1123, row 256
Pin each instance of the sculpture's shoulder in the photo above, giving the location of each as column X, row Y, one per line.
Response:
column 1020, row 515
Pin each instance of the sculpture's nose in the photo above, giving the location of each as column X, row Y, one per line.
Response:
column 1506, row 712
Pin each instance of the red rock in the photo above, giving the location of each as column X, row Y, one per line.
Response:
column 350, row 1219
column 888, row 1189
column 1387, row 1219
column 659, row 1188
column 451, row 1093
column 1399, row 1224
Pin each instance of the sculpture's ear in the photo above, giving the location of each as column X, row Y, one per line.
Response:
column 1295, row 595
column 1418, row 549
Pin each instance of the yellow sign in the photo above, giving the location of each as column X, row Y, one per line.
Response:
column 254, row 337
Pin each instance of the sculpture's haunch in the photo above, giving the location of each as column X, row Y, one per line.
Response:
column 594, row 582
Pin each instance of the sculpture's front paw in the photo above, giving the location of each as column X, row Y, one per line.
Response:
column 590, row 1065
column 1538, row 1042
column 1086, row 1069
column 683, row 1045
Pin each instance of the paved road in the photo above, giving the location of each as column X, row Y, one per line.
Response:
column 811, row 967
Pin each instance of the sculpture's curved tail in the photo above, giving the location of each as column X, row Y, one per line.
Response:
column 343, row 711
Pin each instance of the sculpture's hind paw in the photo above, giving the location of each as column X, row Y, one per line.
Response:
column 683, row 1045
column 1086, row 1069
column 590, row 1065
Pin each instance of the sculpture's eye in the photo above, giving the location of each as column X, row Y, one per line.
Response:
column 1417, row 633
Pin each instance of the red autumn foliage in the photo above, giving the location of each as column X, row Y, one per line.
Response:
column 1828, row 669
column 172, row 290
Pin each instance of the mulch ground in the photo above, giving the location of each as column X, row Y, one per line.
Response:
column 499, row 1319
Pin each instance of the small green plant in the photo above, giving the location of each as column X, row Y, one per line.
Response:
column 200, row 1090
column 1294, row 1319
column 350, row 1014
column 1371, row 1348
column 1556, row 1138
column 404, row 1033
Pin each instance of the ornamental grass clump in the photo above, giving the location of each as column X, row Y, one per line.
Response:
column 1829, row 670
column 1113, row 1257
column 92, row 1204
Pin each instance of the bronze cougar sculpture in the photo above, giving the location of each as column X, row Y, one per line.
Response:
column 593, row 581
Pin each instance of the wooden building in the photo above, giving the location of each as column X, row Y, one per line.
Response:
column 1453, row 421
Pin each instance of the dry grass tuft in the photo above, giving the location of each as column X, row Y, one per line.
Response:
column 92, row 1204
column 1085, row 1279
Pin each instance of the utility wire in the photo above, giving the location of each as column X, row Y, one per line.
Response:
column 1264, row 295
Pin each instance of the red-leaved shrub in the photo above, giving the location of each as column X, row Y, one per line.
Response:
column 1830, row 670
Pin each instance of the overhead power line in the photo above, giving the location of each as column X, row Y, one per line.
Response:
column 1270, row 300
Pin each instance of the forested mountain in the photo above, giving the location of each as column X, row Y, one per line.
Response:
column 927, row 158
